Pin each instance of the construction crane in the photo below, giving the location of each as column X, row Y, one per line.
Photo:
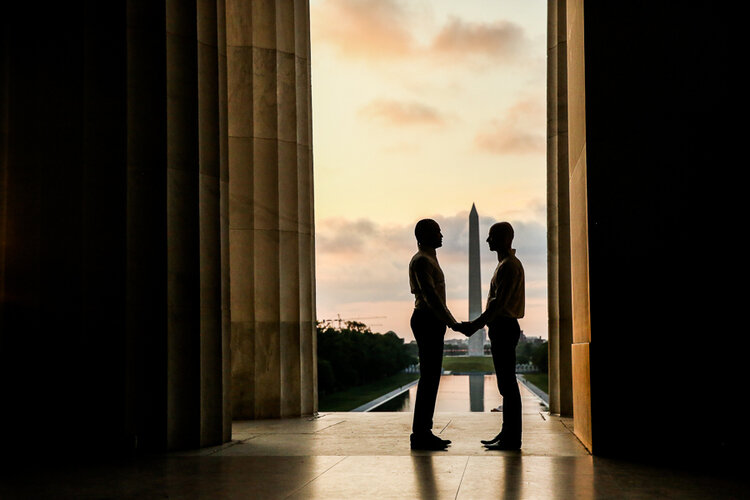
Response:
column 339, row 320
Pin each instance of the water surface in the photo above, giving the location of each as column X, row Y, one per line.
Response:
column 456, row 393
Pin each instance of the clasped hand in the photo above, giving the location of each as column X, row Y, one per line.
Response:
column 468, row 328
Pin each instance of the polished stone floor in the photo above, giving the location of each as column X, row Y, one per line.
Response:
column 366, row 455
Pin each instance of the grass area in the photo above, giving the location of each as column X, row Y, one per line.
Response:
column 467, row 364
column 353, row 397
column 541, row 380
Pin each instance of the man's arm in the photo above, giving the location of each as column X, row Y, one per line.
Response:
column 427, row 286
column 506, row 276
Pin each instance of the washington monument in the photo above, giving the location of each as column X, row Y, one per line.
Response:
column 476, row 341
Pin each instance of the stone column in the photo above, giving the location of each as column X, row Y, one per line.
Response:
column 579, row 230
column 178, row 342
column 221, row 34
column 145, row 229
column 113, row 223
column 183, row 223
column 558, row 213
column 270, row 209
column 214, row 336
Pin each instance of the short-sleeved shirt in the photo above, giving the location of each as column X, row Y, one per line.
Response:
column 507, row 295
column 427, row 282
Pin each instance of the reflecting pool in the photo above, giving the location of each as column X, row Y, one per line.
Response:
column 456, row 393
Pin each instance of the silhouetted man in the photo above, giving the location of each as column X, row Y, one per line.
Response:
column 505, row 304
column 428, row 322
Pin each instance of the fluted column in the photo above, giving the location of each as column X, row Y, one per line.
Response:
column 305, row 207
column 558, row 213
column 115, row 219
column 221, row 35
column 214, row 336
column 177, row 263
column 183, row 223
column 579, row 229
column 270, row 209
column 146, row 235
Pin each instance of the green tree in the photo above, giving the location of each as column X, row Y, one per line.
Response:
column 524, row 349
column 540, row 356
column 354, row 355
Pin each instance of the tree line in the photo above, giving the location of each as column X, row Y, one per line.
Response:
column 354, row 355
column 533, row 351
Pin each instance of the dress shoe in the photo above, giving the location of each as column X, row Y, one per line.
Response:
column 428, row 442
column 430, row 435
column 493, row 440
column 504, row 445
column 445, row 441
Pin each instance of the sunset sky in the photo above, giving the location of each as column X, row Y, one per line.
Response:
column 421, row 108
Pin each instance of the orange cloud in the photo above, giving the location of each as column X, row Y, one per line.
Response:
column 520, row 131
column 507, row 140
column 363, row 28
column 501, row 39
column 402, row 113
column 382, row 29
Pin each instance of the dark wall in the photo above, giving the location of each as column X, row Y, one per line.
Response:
column 110, row 304
column 62, row 353
column 666, row 330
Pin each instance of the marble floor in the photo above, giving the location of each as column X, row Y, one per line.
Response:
column 366, row 455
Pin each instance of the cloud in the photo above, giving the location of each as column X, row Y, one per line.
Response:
column 363, row 261
column 362, row 268
column 385, row 30
column 344, row 236
column 520, row 131
column 505, row 139
column 402, row 112
column 363, row 28
column 501, row 40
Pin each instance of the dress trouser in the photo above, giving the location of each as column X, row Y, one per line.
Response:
column 504, row 334
column 429, row 333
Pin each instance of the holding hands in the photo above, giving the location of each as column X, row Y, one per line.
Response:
column 468, row 328
column 465, row 328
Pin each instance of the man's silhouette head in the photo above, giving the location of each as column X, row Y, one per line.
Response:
column 428, row 234
column 501, row 237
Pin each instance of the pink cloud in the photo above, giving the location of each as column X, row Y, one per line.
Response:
column 501, row 39
column 520, row 131
column 402, row 113
column 363, row 28
column 503, row 139
column 383, row 29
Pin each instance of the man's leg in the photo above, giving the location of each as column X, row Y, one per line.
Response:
column 429, row 336
column 504, row 338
